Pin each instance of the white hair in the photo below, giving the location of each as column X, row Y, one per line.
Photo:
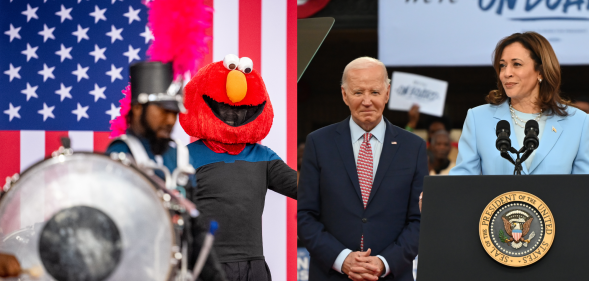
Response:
column 363, row 63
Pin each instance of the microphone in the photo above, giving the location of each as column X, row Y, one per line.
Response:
column 502, row 130
column 531, row 131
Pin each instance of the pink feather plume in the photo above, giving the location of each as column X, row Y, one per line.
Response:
column 178, row 27
column 119, row 125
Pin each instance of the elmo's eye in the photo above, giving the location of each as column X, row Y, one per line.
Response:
column 231, row 61
column 246, row 65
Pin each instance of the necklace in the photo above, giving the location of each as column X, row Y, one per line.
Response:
column 515, row 117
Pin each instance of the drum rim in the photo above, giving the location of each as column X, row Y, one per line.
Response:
column 155, row 187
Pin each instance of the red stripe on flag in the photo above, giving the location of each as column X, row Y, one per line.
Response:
column 208, row 58
column 10, row 153
column 53, row 141
column 10, row 165
column 250, row 31
column 101, row 141
column 291, row 135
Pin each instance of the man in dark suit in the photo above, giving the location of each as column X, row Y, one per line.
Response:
column 358, row 210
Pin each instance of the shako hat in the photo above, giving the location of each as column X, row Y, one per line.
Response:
column 153, row 81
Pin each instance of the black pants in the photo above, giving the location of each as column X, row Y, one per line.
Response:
column 253, row 270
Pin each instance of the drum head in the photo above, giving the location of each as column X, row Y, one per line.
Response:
column 80, row 243
column 86, row 217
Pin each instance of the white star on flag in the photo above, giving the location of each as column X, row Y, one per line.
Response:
column 64, row 92
column 13, row 112
column 114, row 111
column 98, row 92
column 47, row 33
column 47, row 72
column 132, row 54
column 114, row 73
column 132, row 14
column 30, row 13
column 64, row 13
column 30, row 52
column 81, row 112
column 30, row 91
column 98, row 14
column 81, row 72
column 81, row 33
column 98, row 53
column 114, row 34
column 46, row 112
column 64, row 53
column 13, row 32
column 13, row 72
column 147, row 35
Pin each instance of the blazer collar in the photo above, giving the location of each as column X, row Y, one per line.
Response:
column 502, row 112
column 552, row 132
column 389, row 148
column 549, row 137
column 344, row 145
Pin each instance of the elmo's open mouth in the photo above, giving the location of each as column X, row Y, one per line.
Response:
column 234, row 116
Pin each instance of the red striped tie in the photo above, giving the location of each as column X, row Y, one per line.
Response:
column 364, row 168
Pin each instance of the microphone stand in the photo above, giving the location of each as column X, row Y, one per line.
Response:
column 518, row 162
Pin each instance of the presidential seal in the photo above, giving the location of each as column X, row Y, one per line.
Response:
column 516, row 229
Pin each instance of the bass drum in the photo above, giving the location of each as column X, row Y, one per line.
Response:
column 87, row 217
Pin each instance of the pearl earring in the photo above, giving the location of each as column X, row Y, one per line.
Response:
column 539, row 80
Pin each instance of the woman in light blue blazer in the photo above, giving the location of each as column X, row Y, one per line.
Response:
column 528, row 84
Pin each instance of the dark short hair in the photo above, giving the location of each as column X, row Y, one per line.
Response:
column 439, row 133
column 433, row 119
column 545, row 62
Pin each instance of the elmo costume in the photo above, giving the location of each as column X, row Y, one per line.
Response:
column 229, row 111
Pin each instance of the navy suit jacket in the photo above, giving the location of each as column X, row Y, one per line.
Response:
column 331, row 215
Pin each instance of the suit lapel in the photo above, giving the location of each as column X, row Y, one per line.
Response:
column 503, row 113
column 549, row 138
column 387, row 155
column 344, row 146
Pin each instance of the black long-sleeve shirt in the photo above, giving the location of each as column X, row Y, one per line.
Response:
column 231, row 189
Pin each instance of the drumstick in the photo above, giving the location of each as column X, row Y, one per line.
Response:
column 204, row 251
column 35, row 271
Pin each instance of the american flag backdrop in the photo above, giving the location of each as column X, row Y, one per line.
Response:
column 64, row 63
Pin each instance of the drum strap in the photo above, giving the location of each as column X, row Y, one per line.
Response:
column 183, row 159
column 145, row 163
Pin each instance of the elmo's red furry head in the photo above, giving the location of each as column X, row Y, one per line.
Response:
column 227, row 102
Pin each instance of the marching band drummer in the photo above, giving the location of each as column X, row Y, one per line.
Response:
column 151, row 118
column 154, row 105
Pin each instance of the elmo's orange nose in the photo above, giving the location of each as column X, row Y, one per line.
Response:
column 236, row 86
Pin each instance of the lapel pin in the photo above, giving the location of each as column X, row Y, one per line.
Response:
column 394, row 142
column 554, row 129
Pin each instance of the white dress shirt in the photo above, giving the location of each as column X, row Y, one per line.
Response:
column 376, row 142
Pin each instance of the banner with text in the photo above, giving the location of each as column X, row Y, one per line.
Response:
column 465, row 32
column 408, row 89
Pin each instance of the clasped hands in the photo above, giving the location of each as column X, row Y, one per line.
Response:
column 361, row 266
